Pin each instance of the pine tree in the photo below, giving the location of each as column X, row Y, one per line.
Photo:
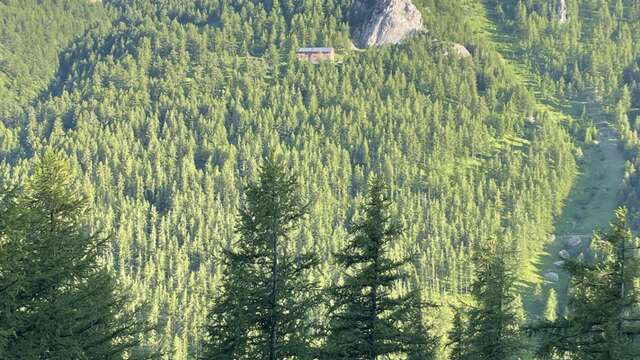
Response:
column 457, row 338
column 603, row 318
column 419, row 342
column 58, row 301
column 493, row 325
column 263, row 310
column 367, row 320
column 9, row 278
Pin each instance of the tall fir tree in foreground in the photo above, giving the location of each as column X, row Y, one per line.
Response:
column 603, row 320
column 368, row 320
column 457, row 340
column 56, row 299
column 492, row 327
column 9, row 278
column 264, row 307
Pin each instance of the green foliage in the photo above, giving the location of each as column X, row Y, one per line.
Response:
column 602, row 322
column 58, row 302
column 492, row 330
column 457, row 338
column 264, row 307
column 367, row 321
column 31, row 36
column 589, row 52
column 166, row 123
column 165, row 108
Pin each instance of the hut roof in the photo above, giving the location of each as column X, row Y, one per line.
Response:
column 315, row 50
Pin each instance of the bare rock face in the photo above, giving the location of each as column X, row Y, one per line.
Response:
column 573, row 241
column 461, row 51
column 561, row 6
column 552, row 276
column 391, row 22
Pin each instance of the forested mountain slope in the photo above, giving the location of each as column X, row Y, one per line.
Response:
column 32, row 35
column 167, row 107
column 583, row 67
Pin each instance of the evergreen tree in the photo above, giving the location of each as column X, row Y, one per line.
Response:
column 58, row 301
column 603, row 318
column 457, row 338
column 421, row 345
column 493, row 326
column 167, row 106
column 367, row 320
column 8, row 278
column 263, row 309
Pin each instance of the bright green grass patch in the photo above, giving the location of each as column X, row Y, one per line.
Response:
column 594, row 196
column 590, row 206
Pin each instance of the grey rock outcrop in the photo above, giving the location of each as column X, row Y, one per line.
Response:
column 391, row 22
column 563, row 12
column 552, row 276
column 573, row 240
column 461, row 51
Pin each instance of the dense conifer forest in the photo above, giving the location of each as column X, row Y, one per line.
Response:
column 175, row 183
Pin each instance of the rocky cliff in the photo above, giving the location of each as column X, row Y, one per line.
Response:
column 460, row 50
column 391, row 21
column 561, row 6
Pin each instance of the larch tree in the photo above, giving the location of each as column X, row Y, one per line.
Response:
column 58, row 300
column 263, row 310
column 368, row 319
column 603, row 317
column 457, row 338
column 493, row 326
column 8, row 277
